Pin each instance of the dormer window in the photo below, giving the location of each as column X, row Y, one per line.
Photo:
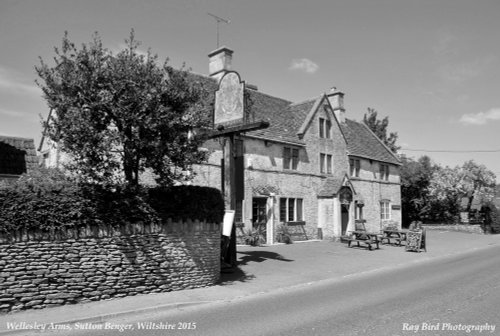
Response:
column 325, row 128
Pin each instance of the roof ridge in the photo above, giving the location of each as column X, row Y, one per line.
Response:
column 306, row 101
column 268, row 95
column 15, row 137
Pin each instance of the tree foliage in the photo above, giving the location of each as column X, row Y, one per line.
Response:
column 119, row 114
column 470, row 180
column 432, row 193
column 379, row 127
column 416, row 176
column 51, row 200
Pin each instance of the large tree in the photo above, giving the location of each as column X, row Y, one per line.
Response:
column 119, row 114
column 449, row 185
column 379, row 127
column 416, row 176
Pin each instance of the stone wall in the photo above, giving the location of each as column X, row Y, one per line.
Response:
column 39, row 270
column 480, row 229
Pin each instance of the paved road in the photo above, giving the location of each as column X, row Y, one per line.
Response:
column 448, row 295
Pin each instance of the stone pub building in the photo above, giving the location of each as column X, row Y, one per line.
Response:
column 313, row 169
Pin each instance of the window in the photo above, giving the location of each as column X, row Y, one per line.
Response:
column 328, row 164
column 355, row 166
column 290, row 158
column 259, row 208
column 385, row 210
column 238, row 215
column 384, row 172
column 325, row 163
column 291, row 209
column 325, row 128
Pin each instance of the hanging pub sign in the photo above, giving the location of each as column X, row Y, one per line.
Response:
column 229, row 101
column 345, row 195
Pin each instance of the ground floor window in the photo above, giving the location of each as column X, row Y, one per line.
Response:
column 385, row 210
column 238, row 214
column 291, row 209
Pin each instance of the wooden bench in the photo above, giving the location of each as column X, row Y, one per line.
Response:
column 391, row 234
column 363, row 239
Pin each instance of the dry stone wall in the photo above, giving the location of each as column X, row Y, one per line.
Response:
column 39, row 270
column 479, row 229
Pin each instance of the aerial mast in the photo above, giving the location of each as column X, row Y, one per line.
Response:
column 219, row 20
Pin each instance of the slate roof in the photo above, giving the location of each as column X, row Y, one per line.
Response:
column 286, row 118
column 362, row 142
column 330, row 187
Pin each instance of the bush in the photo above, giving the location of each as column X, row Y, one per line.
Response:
column 45, row 199
column 183, row 202
column 49, row 200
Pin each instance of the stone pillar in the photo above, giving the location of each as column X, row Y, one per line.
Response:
column 271, row 218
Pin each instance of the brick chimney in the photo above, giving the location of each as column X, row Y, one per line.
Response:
column 220, row 62
column 336, row 99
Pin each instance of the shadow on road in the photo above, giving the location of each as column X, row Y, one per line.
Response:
column 233, row 275
column 260, row 256
column 229, row 276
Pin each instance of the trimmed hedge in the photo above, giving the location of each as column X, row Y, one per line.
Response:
column 47, row 199
column 194, row 202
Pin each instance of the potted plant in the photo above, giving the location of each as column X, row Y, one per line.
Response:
column 254, row 236
column 283, row 235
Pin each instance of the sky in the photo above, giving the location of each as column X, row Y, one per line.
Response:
column 431, row 66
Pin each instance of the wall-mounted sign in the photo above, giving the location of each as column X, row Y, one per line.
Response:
column 396, row 207
column 229, row 100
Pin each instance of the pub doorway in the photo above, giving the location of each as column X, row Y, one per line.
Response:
column 259, row 215
column 344, row 208
column 345, row 198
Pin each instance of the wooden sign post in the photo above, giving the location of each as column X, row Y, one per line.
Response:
column 231, row 120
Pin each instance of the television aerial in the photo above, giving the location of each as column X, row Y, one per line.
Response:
column 219, row 20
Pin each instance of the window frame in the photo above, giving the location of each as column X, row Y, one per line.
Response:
column 385, row 210
column 291, row 209
column 328, row 129
column 326, row 163
column 290, row 158
column 325, row 128
column 354, row 167
column 384, row 172
column 329, row 163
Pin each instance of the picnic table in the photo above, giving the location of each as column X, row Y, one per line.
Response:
column 364, row 239
column 398, row 236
